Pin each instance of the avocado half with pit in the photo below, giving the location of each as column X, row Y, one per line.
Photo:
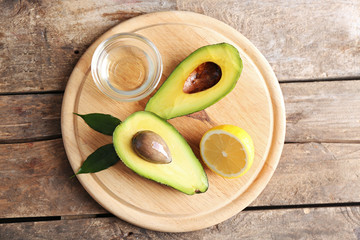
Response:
column 203, row 78
column 184, row 172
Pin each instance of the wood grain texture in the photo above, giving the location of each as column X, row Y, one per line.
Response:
column 35, row 179
column 315, row 111
column 314, row 173
column 40, row 42
column 29, row 117
column 307, row 223
column 255, row 104
column 302, row 40
column 322, row 111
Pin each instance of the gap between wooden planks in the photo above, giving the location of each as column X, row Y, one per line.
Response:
column 307, row 223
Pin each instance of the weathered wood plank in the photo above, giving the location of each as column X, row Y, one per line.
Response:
column 29, row 117
column 40, row 42
column 301, row 40
column 316, row 111
column 314, row 173
column 308, row 223
column 35, row 179
column 322, row 111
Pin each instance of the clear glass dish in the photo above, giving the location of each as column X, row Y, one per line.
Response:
column 126, row 67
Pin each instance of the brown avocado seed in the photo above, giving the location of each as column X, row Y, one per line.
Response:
column 205, row 76
column 151, row 147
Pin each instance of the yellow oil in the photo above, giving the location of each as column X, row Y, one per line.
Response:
column 125, row 68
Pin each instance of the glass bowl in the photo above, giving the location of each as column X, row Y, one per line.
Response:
column 126, row 67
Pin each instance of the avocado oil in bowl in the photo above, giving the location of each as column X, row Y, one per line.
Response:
column 126, row 67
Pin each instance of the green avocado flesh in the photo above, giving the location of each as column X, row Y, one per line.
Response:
column 172, row 101
column 184, row 173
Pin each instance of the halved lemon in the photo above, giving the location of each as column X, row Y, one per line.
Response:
column 227, row 150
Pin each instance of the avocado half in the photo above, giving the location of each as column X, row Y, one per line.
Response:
column 172, row 100
column 184, row 173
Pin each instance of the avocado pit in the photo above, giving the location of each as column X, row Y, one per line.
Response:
column 151, row 147
column 205, row 76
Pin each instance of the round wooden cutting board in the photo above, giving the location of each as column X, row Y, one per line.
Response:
column 256, row 105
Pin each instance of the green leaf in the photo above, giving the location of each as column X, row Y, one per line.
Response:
column 103, row 158
column 103, row 123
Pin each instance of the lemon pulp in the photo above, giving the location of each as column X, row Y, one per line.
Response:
column 227, row 150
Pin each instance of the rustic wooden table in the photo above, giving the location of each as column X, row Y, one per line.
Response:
column 314, row 49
